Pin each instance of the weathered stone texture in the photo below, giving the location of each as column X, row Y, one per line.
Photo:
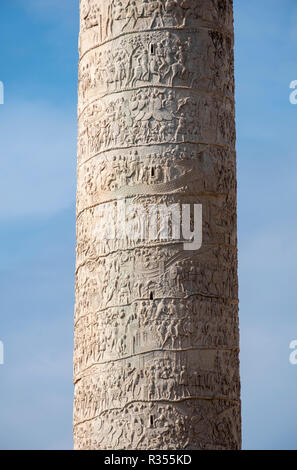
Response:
column 156, row 327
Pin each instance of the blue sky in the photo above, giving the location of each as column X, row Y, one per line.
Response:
column 38, row 65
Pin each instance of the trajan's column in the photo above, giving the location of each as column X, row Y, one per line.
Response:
column 156, row 325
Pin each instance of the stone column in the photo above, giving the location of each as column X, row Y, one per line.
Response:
column 156, row 325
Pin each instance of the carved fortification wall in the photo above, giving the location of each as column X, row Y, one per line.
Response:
column 156, row 327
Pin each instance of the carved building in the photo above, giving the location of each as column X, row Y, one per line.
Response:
column 156, row 326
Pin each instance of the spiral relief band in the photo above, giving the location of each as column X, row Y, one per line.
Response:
column 156, row 361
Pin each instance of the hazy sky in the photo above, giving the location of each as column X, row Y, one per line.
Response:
column 38, row 66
